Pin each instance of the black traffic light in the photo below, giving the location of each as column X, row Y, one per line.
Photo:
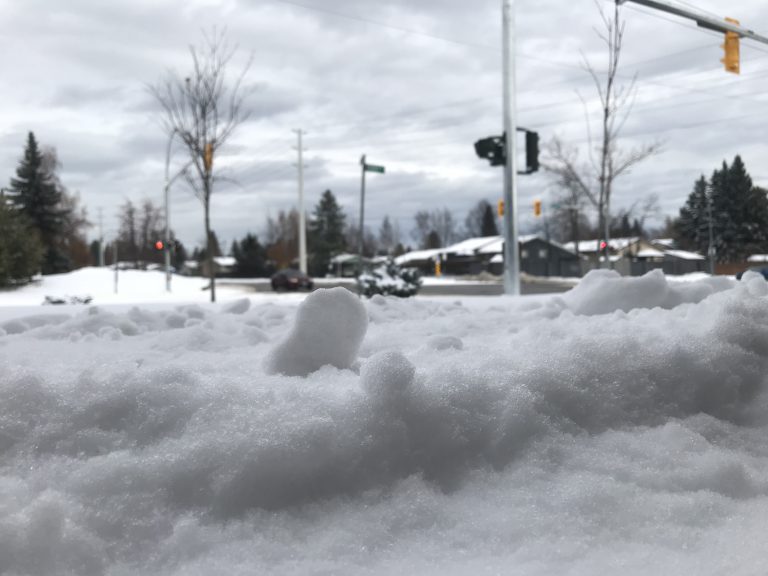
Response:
column 492, row 149
column 531, row 151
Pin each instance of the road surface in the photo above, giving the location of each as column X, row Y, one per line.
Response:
column 443, row 289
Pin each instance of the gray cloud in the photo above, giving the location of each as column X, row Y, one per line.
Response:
column 412, row 85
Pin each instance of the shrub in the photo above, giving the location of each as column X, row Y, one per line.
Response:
column 390, row 280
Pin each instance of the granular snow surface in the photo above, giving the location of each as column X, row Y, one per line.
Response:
column 619, row 428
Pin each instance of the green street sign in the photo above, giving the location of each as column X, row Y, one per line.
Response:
column 373, row 168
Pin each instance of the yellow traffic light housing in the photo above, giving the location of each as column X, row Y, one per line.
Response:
column 731, row 58
column 500, row 208
column 537, row 208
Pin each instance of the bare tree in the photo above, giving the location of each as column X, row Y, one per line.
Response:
column 203, row 109
column 594, row 180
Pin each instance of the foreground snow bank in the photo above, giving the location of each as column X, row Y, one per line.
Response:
column 620, row 428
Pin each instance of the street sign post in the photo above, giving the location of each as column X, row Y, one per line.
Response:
column 365, row 168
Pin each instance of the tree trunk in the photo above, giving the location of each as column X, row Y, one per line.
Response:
column 209, row 246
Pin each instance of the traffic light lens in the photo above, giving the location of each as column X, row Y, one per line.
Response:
column 158, row 245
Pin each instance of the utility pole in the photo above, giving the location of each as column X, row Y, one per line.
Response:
column 101, row 237
column 511, row 250
column 302, row 216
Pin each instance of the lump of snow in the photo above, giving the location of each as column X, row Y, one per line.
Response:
column 387, row 376
column 329, row 328
column 606, row 291
column 445, row 343
column 238, row 306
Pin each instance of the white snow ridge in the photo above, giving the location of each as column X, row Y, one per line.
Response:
column 618, row 429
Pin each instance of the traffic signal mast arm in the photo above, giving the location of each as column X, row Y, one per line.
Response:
column 701, row 19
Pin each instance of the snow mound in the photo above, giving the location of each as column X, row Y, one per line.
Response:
column 329, row 328
column 605, row 291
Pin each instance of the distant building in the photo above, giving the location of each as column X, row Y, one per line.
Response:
column 538, row 257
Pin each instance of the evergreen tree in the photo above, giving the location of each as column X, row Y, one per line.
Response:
column 739, row 215
column 20, row 248
column 488, row 227
column 35, row 193
column 387, row 236
column 692, row 226
column 326, row 233
column 250, row 257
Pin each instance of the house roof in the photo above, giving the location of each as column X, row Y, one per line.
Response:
column 650, row 253
column 418, row 255
column 470, row 245
column 684, row 255
column 225, row 260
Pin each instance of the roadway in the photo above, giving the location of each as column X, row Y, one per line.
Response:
column 455, row 288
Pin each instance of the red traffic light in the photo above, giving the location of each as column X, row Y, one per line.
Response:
column 159, row 245
column 603, row 245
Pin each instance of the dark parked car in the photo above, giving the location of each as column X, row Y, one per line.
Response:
column 763, row 271
column 291, row 279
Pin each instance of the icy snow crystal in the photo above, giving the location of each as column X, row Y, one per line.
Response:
column 330, row 326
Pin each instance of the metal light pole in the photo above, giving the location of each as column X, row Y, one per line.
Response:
column 362, row 216
column 302, row 215
column 167, row 244
column 511, row 250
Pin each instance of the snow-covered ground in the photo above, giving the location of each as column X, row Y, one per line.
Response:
column 619, row 428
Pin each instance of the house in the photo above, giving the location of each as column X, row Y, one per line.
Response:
column 538, row 256
column 225, row 265
column 345, row 265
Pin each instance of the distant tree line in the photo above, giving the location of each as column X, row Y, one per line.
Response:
column 734, row 208
column 42, row 226
column 330, row 233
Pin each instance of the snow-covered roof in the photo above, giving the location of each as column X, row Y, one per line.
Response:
column 667, row 242
column 225, row 260
column 471, row 246
column 497, row 246
column 343, row 257
column 418, row 255
column 650, row 253
column 685, row 255
column 758, row 258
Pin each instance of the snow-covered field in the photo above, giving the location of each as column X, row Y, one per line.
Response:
column 619, row 428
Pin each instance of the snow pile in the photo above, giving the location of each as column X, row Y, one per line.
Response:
column 497, row 435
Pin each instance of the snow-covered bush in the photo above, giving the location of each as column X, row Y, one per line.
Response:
column 390, row 280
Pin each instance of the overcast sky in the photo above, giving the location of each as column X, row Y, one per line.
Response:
column 412, row 84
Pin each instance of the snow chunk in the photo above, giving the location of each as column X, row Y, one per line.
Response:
column 329, row 328
column 238, row 306
column 387, row 377
column 606, row 291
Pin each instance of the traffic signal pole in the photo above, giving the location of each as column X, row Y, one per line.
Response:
column 731, row 28
column 511, row 251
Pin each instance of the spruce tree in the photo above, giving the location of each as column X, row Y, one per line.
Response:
column 35, row 194
column 20, row 248
column 326, row 233
column 250, row 257
column 739, row 215
column 692, row 226
column 488, row 227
